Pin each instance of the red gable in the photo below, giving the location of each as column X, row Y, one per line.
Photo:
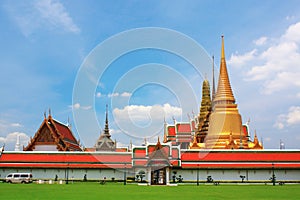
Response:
column 52, row 132
column 245, row 130
column 183, row 128
column 171, row 131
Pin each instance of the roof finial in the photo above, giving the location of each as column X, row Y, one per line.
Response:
column 174, row 120
column 49, row 111
column 106, row 129
column 45, row 115
column 213, row 78
column 223, row 51
column 189, row 117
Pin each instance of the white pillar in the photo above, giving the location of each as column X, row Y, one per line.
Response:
column 167, row 175
column 149, row 175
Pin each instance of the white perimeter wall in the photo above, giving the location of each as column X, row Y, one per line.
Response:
column 186, row 174
column 234, row 175
column 76, row 174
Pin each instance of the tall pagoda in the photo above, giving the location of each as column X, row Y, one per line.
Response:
column 225, row 127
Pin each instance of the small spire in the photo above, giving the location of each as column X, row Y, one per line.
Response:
column 223, row 49
column 193, row 114
column 45, row 115
column 213, row 78
column 17, row 147
column 189, row 117
column 130, row 145
column 174, row 120
column 106, row 128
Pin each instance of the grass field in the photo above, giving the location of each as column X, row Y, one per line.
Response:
column 93, row 190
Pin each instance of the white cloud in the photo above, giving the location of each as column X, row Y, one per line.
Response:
column 117, row 94
column 268, row 139
column 288, row 119
column 6, row 127
column 145, row 113
column 16, row 125
column 77, row 106
column 260, row 41
column 240, row 60
column 11, row 139
column 114, row 131
column 55, row 14
column 139, row 121
column 46, row 14
column 275, row 63
column 125, row 94
column 99, row 94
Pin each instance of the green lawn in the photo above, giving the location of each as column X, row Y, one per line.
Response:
column 93, row 190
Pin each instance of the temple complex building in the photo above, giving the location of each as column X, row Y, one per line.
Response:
column 212, row 147
column 53, row 136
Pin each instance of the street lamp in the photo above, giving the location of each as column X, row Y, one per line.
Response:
column 197, row 174
column 67, row 174
column 273, row 175
column 125, row 175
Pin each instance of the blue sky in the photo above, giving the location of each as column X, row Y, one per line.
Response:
column 44, row 43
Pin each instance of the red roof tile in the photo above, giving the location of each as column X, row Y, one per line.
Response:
column 171, row 131
column 183, row 128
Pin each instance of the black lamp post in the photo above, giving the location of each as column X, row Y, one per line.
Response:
column 125, row 175
column 67, row 174
column 197, row 174
column 273, row 175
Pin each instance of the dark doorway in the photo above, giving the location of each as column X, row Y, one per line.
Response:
column 158, row 177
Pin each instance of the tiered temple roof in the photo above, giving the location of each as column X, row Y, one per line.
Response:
column 105, row 143
column 53, row 135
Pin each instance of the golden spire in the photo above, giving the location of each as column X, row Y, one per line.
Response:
column 225, row 122
column 224, row 93
column 213, row 78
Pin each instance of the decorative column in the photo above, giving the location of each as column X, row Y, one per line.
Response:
column 149, row 175
column 167, row 175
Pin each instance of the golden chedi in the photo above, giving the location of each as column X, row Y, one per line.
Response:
column 225, row 122
column 205, row 110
